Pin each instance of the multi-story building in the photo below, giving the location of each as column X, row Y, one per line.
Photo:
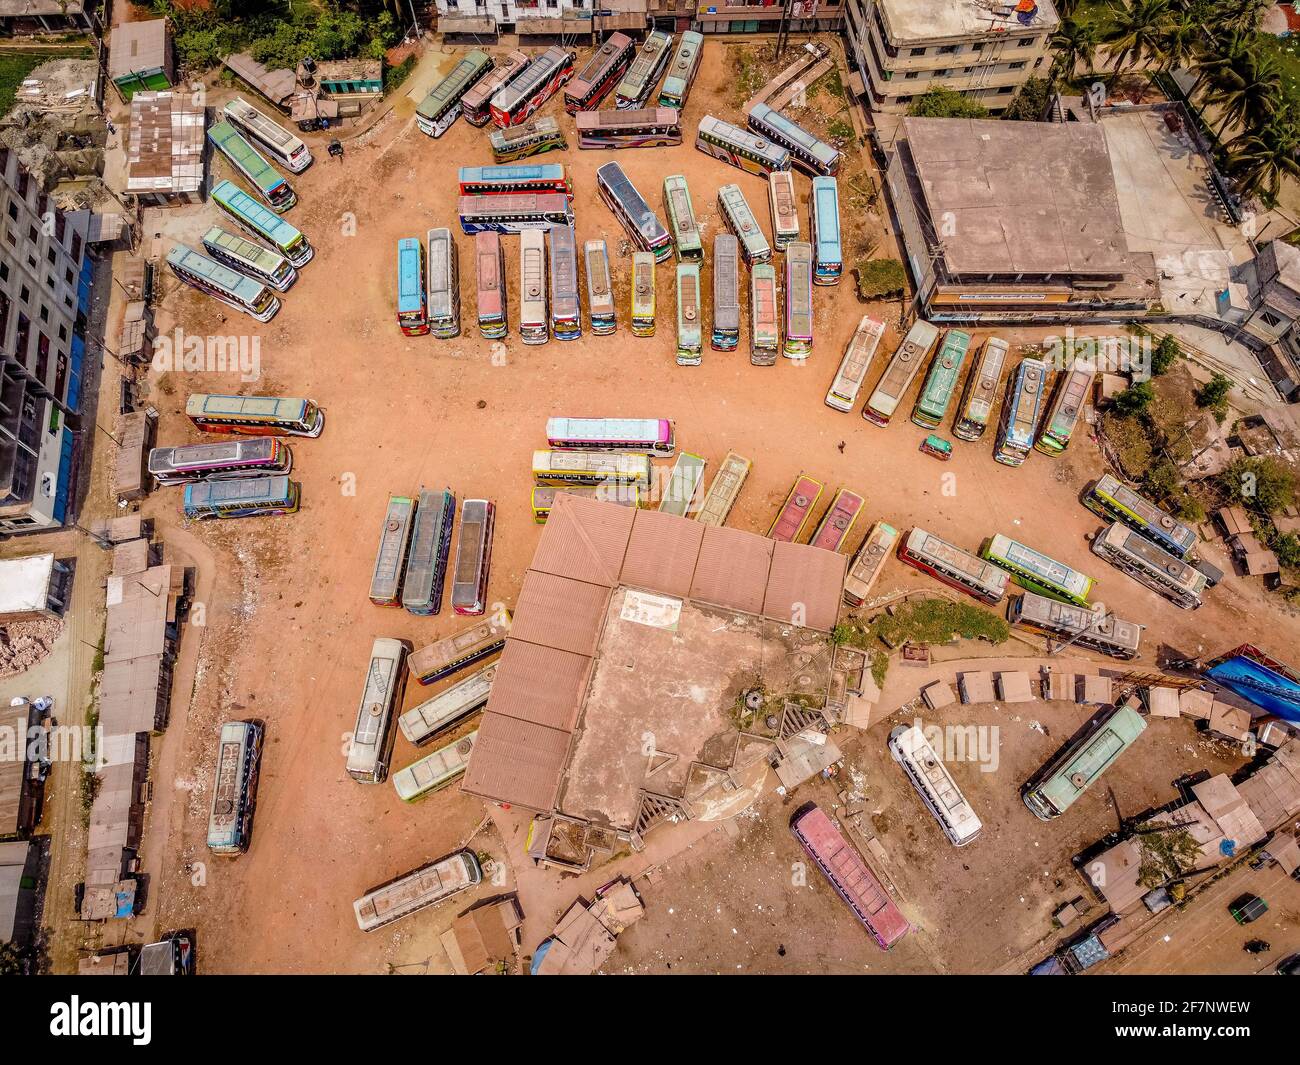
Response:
column 764, row 16
column 539, row 18
column 45, row 282
column 1274, row 318
column 983, row 49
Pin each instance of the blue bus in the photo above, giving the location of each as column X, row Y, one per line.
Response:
column 824, row 217
column 412, row 310
column 262, row 222
column 810, row 154
column 242, row 498
column 514, row 180
column 1020, row 413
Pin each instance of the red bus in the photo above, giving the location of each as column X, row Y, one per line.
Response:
column 525, row 94
column 792, row 518
column 599, row 74
column 849, row 875
column 833, row 531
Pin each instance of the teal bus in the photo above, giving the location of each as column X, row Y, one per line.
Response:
column 941, row 382
column 214, row 279
column 740, row 221
column 245, row 498
column 412, row 310
column 1020, row 413
column 249, row 258
column 824, row 221
column 1033, row 570
column 256, row 219
column 683, row 485
column 681, row 220
column 1113, row 501
column 690, row 345
column 270, row 186
column 682, row 70
column 1063, row 415
column 1056, row 786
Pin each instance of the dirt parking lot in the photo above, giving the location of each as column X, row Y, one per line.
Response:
column 286, row 630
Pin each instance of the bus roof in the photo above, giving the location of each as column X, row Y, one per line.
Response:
column 241, row 490
column 1091, row 758
column 509, row 173
column 450, row 89
column 250, row 251
column 240, row 285
column 261, row 218
column 201, row 403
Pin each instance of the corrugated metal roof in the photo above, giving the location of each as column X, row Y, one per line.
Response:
column 584, row 539
column 542, row 685
column 517, row 762
column 560, row 612
column 804, row 586
column 661, row 552
column 732, row 569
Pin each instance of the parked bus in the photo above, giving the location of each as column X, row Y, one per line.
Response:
column 1113, row 501
column 806, row 151
column 1063, row 414
column 600, row 288
column 925, row 769
column 282, row 146
column 513, row 180
column 442, row 106
column 426, row 561
column 543, row 497
column 394, row 543
column 490, row 282
column 533, row 321
column 1131, row 552
column 793, row 517
column 690, row 336
column 682, row 69
column 683, row 485
column 258, row 262
column 412, row 296
column 448, row 708
column 824, row 226
column 941, row 382
column 599, row 74
column 263, row 456
column 739, row 147
column 426, row 886
column 590, row 467
column 249, row 497
column 726, row 293
column 740, row 221
column 643, row 75
column 954, row 567
column 1036, row 571
column 784, row 208
column 234, row 787
column 254, row 218
column 798, row 300
column 545, row 76
column 681, row 218
column 434, row 771
column 981, row 390
column 566, row 308
column 868, row 562
column 764, row 317
column 633, row 213
column 1020, row 413
column 837, row 523
column 214, row 279
column 1076, row 625
column 476, row 104
column 537, row 137
column 436, row 661
column 254, row 415
column 371, row 744
column 514, row 214
column 651, row 435
column 722, row 493
column 843, row 393
column 473, row 557
column 643, row 294
column 850, row 876
column 270, row 187
column 444, row 284
column 900, row 373
column 1056, row 786
column 650, row 127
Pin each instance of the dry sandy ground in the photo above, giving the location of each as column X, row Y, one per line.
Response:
column 286, row 632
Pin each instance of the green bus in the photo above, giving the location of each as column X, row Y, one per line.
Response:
column 254, row 218
column 1058, row 784
column 683, row 485
column 681, row 220
column 270, row 186
column 690, row 336
column 1033, row 570
column 434, row 771
column 941, row 381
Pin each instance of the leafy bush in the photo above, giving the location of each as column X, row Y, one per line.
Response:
column 1214, row 393
column 1260, row 482
column 1287, row 548
column 1135, row 399
column 941, row 102
column 1030, row 103
column 880, row 277
column 1166, row 353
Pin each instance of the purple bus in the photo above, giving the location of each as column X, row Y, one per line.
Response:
column 256, row 456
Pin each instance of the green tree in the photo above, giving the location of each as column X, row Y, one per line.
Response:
column 1135, row 399
column 1030, row 104
column 1247, row 93
column 1265, row 154
column 941, row 102
column 1182, row 41
column 1287, row 548
column 1075, row 44
column 1164, row 355
column 1261, row 482
column 1214, row 393
column 880, row 277
column 1138, row 33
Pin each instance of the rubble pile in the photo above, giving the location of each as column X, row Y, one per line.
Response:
column 24, row 643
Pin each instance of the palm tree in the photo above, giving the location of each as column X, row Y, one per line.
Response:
column 1267, row 154
column 1238, row 15
column 1216, row 66
column 1182, row 42
column 1075, row 43
column 1248, row 93
column 1138, row 32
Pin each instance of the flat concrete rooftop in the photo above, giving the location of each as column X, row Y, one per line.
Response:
column 929, row 20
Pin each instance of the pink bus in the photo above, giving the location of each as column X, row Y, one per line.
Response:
column 837, row 523
column 849, row 875
column 795, row 512
column 651, row 435
column 475, row 105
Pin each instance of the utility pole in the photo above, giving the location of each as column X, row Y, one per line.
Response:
column 783, row 34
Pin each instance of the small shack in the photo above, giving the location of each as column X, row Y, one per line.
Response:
column 34, row 586
column 140, row 57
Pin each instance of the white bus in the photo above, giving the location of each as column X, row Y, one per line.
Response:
column 286, row 149
column 1130, row 551
column 533, row 324
column 222, row 283
column 371, row 745
column 443, row 285
column 258, row 262
column 413, row 891
column 422, row 723
column 933, row 782
column 855, row 365
column 785, row 208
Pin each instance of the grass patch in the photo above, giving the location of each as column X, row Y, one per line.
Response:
column 928, row 621
column 15, row 67
column 394, row 76
column 841, row 131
